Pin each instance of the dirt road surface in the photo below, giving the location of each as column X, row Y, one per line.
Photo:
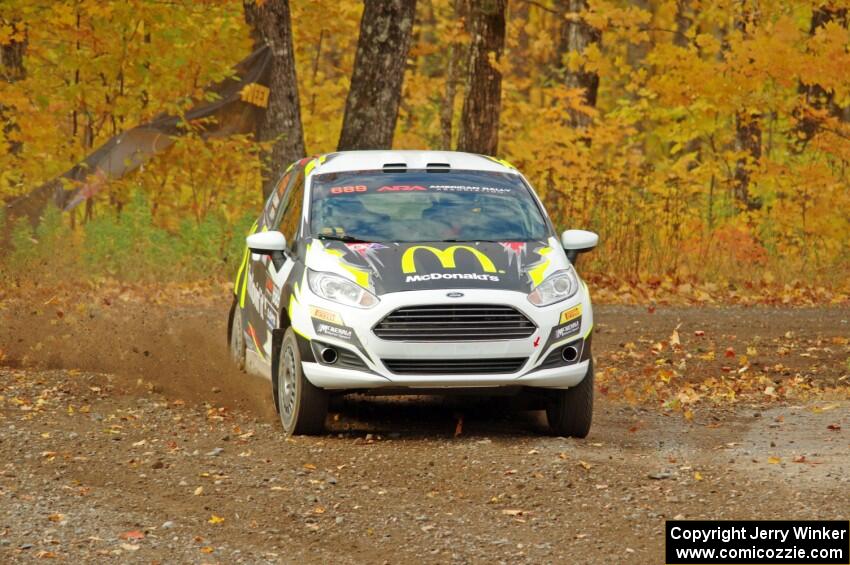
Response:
column 125, row 436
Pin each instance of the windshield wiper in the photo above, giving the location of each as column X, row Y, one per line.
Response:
column 345, row 238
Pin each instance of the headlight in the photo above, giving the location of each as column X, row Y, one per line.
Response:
column 559, row 286
column 339, row 289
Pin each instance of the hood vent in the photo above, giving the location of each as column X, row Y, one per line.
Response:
column 438, row 167
column 395, row 167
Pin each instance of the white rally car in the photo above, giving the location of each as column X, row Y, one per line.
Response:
column 412, row 272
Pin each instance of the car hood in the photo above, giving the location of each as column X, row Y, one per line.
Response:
column 398, row 267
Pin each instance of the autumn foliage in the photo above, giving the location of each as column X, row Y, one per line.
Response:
column 715, row 153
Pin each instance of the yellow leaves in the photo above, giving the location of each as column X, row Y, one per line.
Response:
column 774, row 460
column 215, row 520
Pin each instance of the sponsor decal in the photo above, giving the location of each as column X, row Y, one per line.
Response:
column 567, row 330
column 446, row 257
column 451, row 276
column 468, row 188
column 347, row 189
column 537, row 341
column 326, row 315
column 400, row 188
column 569, row 323
column 572, row 313
column 341, row 332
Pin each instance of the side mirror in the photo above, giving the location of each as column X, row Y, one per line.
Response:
column 578, row 241
column 272, row 243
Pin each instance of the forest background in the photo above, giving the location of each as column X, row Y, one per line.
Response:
column 706, row 141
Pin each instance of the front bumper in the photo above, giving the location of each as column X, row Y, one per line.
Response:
column 334, row 378
column 536, row 349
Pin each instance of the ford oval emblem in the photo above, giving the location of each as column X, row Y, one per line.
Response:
column 455, row 295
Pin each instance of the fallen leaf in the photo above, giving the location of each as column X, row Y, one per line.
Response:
column 730, row 352
column 132, row 535
column 674, row 338
column 799, row 459
column 697, row 476
column 56, row 517
column 773, row 460
column 585, row 465
column 207, row 549
column 513, row 512
column 199, row 491
column 834, row 427
column 215, row 520
column 309, row 466
column 459, row 427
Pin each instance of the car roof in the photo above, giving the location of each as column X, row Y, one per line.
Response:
column 398, row 160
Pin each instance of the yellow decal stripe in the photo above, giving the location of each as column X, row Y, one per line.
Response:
column 361, row 277
column 537, row 272
column 302, row 334
column 242, row 267
column 500, row 161
column 587, row 333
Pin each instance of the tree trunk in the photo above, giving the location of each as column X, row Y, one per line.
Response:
column 371, row 109
column 747, row 139
column 456, row 55
column 479, row 127
column 11, row 70
column 281, row 122
column 748, row 134
column 815, row 95
column 577, row 35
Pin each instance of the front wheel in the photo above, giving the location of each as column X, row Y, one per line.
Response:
column 237, row 338
column 570, row 411
column 303, row 407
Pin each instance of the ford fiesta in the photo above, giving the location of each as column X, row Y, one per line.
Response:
column 412, row 272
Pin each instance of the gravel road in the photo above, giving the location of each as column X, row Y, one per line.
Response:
column 126, row 437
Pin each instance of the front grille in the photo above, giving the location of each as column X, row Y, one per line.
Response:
column 449, row 322
column 455, row 366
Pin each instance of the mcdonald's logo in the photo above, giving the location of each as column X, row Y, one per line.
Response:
column 446, row 257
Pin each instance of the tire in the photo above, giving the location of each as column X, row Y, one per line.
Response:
column 237, row 338
column 570, row 411
column 302, row 406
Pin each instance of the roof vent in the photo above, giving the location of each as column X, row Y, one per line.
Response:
column 395, row 167
column 438, row 167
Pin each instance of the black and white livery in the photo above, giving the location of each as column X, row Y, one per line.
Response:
column 412, row 272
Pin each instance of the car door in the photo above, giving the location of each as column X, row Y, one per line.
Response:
column 264, row 279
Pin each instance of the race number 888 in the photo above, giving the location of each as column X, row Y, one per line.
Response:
column 348, row 189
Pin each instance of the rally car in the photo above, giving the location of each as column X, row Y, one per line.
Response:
column 412, row 272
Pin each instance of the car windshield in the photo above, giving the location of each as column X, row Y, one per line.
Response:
column 424, row 206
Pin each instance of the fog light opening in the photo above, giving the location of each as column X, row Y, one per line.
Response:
column 569, row 354
column 329, row 355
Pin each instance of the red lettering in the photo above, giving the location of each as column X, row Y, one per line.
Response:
column 348, row 189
